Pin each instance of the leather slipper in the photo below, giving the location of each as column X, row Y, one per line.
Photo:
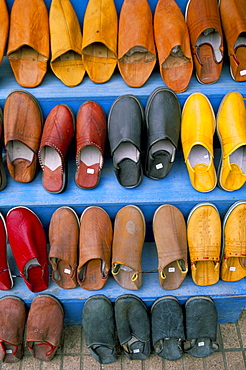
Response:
column 28, row 243
column 169, row 230
column 99, row 329
column 12, row 322
column 173, row 45
column 6, row 280
column 66, row 55
column 4, row 31
column 163, row 121
column 133, row 326
column 44, row 327
column 206, row 39
column 91, row 133
column 23, row 121
column 201, row 326
column 125, row 131
column 233, row 255
column 204, row 241
column 99, row 45
column 28, row 45
column 95, row 243
column 58, row 131
column 3, row 178
column 64, row 242
column 128, row 240
column 136, row 47
column 167, row 328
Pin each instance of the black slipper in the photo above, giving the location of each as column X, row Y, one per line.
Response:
column 125, row 131
column 167, row 328
column 99, row 328
column 163, row 122
column 201, row 326
column 133, row 326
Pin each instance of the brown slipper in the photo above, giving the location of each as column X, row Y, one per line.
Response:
column 95, row 245
column 170, row 237
column 128, row 240
column 64, row 241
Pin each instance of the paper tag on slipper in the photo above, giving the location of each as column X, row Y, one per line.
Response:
column 67, row 271
column 90, row 171
column 9, row 351
column 171, row 269
column 159, row 166
column 200, row 344
column 232, row 269
column 243, row 72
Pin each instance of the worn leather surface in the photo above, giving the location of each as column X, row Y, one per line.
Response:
column 169, row 230
column 12, row 321
column 132, row 322
column 91, row 130
column 128, row 239
column 231, row 129
column 201, row 321
column 163, row 121
column 6, row 281
column 44, row 327
column 95, row 245
column 233, row 17
column 28, row 43
column 167, row 327
column 136, row 46
column 202, row 15
column 28, row 241
column 99, row 45
column 171, row 31
column 22, row 123
column 64, row 243
column 204, row 241
column 98, row 313
column 197, row 128
column 4, row 29
column 233, row 264
column 66, row 51
column 58, row 131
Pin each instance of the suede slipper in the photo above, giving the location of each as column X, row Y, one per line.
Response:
column 64, row 242
column 167, row 327
column 133, row 326
column 99, row 328
column 201, row 326
column 171, row 241
column 12, row 322
column 125, row 129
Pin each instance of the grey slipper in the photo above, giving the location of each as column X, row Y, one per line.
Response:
column 99, row 328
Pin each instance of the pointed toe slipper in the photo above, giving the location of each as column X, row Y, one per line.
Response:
column 128, row 240
column 233, row 262
column 43, row 333
column 66, row 55
column 28, row 45
column 99, row 45
column 136, row 47
column 64, row 242
column 173, row 45
column 95, row 244
column 167, row 328
column 171, row 242
column 91, row 133
column 4, row 30
column 163, row 121
column 201, row 326
column 204, row 243
column 99, row 328
column 133, row 326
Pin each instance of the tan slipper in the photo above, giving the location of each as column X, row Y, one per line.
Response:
column 170, row 237
column 204, row 242
column 128, row 240
column 4, row 29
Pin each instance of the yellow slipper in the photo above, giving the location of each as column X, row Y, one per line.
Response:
column 99, row 46
column 66, row 56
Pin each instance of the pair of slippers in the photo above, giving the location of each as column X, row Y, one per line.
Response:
column 129, row 317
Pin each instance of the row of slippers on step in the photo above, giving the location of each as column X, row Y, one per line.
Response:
column 170, row 330
column 135, row 136
column 196, row 39
column 85, row 251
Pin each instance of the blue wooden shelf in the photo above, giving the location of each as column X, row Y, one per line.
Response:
column 175, row 189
